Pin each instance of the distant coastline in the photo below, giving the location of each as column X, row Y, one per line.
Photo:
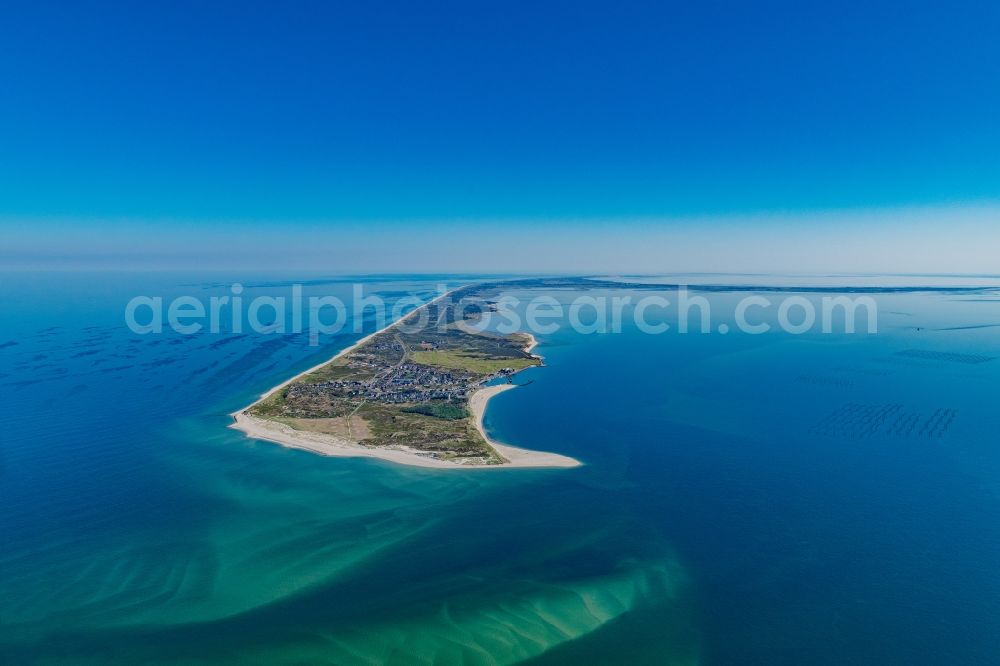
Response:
column 330, row 445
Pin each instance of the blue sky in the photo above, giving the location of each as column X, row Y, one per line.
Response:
column 637, row 134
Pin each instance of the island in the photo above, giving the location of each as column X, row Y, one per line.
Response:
column 414, row 393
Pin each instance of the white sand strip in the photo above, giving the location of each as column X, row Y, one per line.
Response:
column 516, row 457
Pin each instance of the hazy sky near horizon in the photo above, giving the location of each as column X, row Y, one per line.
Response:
column 513, row 137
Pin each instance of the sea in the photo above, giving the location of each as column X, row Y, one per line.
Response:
column 810, row 497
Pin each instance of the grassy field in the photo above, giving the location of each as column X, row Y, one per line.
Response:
column 271, row 406
column 337, row 369
column 471, row 361
column 354, row 429
column 440, row 410
column 391, row 425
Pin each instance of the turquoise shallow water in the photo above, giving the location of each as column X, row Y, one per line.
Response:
column 735, row 507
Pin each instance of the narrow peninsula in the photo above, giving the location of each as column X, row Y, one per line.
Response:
column 413, row 393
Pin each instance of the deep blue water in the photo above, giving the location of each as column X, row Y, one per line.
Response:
column 768, row 499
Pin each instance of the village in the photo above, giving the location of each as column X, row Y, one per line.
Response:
column 407, row 382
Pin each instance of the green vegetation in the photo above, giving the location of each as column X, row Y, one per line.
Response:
column 338, row 369
column 476, row 362
column 391, row 425
column 273, row 405
column 297, row 401
column 440, row 410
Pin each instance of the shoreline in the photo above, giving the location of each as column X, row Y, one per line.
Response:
column 516, row 457
column 329, row 445
column 532, row 343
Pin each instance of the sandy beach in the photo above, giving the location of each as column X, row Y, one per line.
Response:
column 516, row 457
column 532, row 343
column 329, row 445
